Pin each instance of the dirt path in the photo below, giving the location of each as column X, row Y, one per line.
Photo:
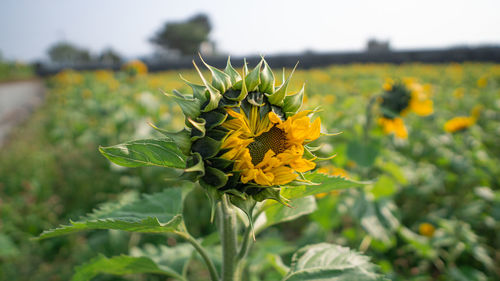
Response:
column 17, row 101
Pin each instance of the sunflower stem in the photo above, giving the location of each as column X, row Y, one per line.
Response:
column 246, row 243
column 369, row 117
column 227, row 229
column 204, row 255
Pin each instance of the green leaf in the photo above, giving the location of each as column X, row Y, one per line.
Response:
column 198, row 128
column 213, row 195
column 266, row 79
column 174, row 258
column 272, row 193
column 247, row 205
column 206, row 146
column 195, row 168
column 293, row 103
column 384, row 187
column 256, row 99
column 120, row 265
column 215, row 177
column 277, row 263
column 466, row 273
column 325, row 184
column 182, row 138
column 363, row 153
column 214, row 95
column 378, row 218
column 199, row 91
column 277, row 98
column 252, row 80
column 190, row 106
column 276, row 213
column 418, row 243
column 395, row 171
column 235, row 95
column 155, row 213
column 330, row 262
column 214, row 118
column 233, row 74
column 148, row 152
column 220, row 80
column 218, row 134
column 8, row 248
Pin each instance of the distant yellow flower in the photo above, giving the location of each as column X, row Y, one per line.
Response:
column 426, row 229
column 351, row 164
column 459, row 93
column 107, row 77
column 104, row 75
column 87, row 94
column 420, row 102
column 461, row 123
column 388, row 84
column 457, row 124
column 331, row 171
column 135, row 67
column 319, row 75
column 69, row 77
column 402, row 97
column 329, row 99
column 394, row 126
column 482, row 82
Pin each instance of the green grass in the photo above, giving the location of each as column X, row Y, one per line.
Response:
column 15, row 71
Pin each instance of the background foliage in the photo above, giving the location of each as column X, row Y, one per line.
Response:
column 14, row 70
column 432, row 210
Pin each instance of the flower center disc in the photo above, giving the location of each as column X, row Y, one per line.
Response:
column 273, row 139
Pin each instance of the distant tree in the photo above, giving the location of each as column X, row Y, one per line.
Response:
column 377, row 46
column 110, row 56
column 64, row 52
column 186, row 37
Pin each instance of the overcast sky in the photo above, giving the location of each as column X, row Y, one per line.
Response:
column 29, row 27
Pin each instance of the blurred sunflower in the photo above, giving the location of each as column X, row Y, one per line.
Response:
column 426, row 229
column 394, row 126
column 461, row 123
column 245, row 136
column 400, row 98
column 135, row 68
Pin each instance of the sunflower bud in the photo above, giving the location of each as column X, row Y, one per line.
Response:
column 244, row 135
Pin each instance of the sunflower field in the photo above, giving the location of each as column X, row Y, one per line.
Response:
column 420, row 144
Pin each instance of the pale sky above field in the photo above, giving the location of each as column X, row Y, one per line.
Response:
column 29, row 27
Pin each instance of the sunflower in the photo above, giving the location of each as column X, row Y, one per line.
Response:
column 461, row 123
column 394, row 126
column 135, row 67
column 245, row 136
column 401, row 97
column 268, row 151
column 398, row 99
